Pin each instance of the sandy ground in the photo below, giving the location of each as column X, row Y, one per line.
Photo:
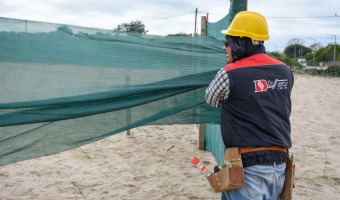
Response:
column 153, row 162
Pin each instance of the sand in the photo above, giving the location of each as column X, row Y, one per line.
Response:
column 153, row 162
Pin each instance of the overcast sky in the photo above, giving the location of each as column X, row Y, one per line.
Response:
column 307, row 20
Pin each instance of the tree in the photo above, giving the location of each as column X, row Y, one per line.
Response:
column 315, row 46
column 282, row 57
column 295, row 41
column 327, row 53
column 134, row 26
column 296, row 50
column 180, row 34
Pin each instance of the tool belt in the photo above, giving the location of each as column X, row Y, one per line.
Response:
column 229, row 177
column 252, row 149
column 232, row 177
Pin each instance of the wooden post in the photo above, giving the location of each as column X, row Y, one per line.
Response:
column 203, row 26
column 201, row 137
column 128, row 110
column 201, row 126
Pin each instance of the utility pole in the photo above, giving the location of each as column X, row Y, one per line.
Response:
column 195, row 22
column 313, row 51
column 334, row 49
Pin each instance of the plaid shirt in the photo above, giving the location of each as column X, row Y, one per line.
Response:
column 218, row 89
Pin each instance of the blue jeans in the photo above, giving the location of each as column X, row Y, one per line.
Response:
column 262, row 182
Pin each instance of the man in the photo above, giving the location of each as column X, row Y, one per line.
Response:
column 253, row 91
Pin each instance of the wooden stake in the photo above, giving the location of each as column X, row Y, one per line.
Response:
column 201, row 137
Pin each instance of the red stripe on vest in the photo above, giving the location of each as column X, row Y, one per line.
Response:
column 256, row 60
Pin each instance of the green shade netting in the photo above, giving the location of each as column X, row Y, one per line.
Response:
column 214, row 28
column 69, row 86
column 65, row 86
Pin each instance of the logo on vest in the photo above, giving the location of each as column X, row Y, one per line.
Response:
column 263, row 85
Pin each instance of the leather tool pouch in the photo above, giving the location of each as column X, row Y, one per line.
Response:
column 228, row 178
column 287, row 191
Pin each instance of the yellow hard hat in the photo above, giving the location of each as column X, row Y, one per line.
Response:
column 248, row 24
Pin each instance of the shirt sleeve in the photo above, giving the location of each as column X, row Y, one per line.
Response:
column 218, row 89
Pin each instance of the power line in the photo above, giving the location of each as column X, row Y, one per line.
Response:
column 330, row 16
column 277, row 17
column 175, row 16
column 327, row 16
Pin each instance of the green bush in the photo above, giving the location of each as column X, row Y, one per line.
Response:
column 293, row 63
column 333, row 71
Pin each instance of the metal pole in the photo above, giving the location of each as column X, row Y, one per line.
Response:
column 314, row 54
column 195, row 22
column 313, row 51
column 334, row 49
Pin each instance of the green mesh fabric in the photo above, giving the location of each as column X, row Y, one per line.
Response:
column 214, row 29
column 64, row 86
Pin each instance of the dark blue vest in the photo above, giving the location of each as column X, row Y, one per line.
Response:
column 257, row 110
